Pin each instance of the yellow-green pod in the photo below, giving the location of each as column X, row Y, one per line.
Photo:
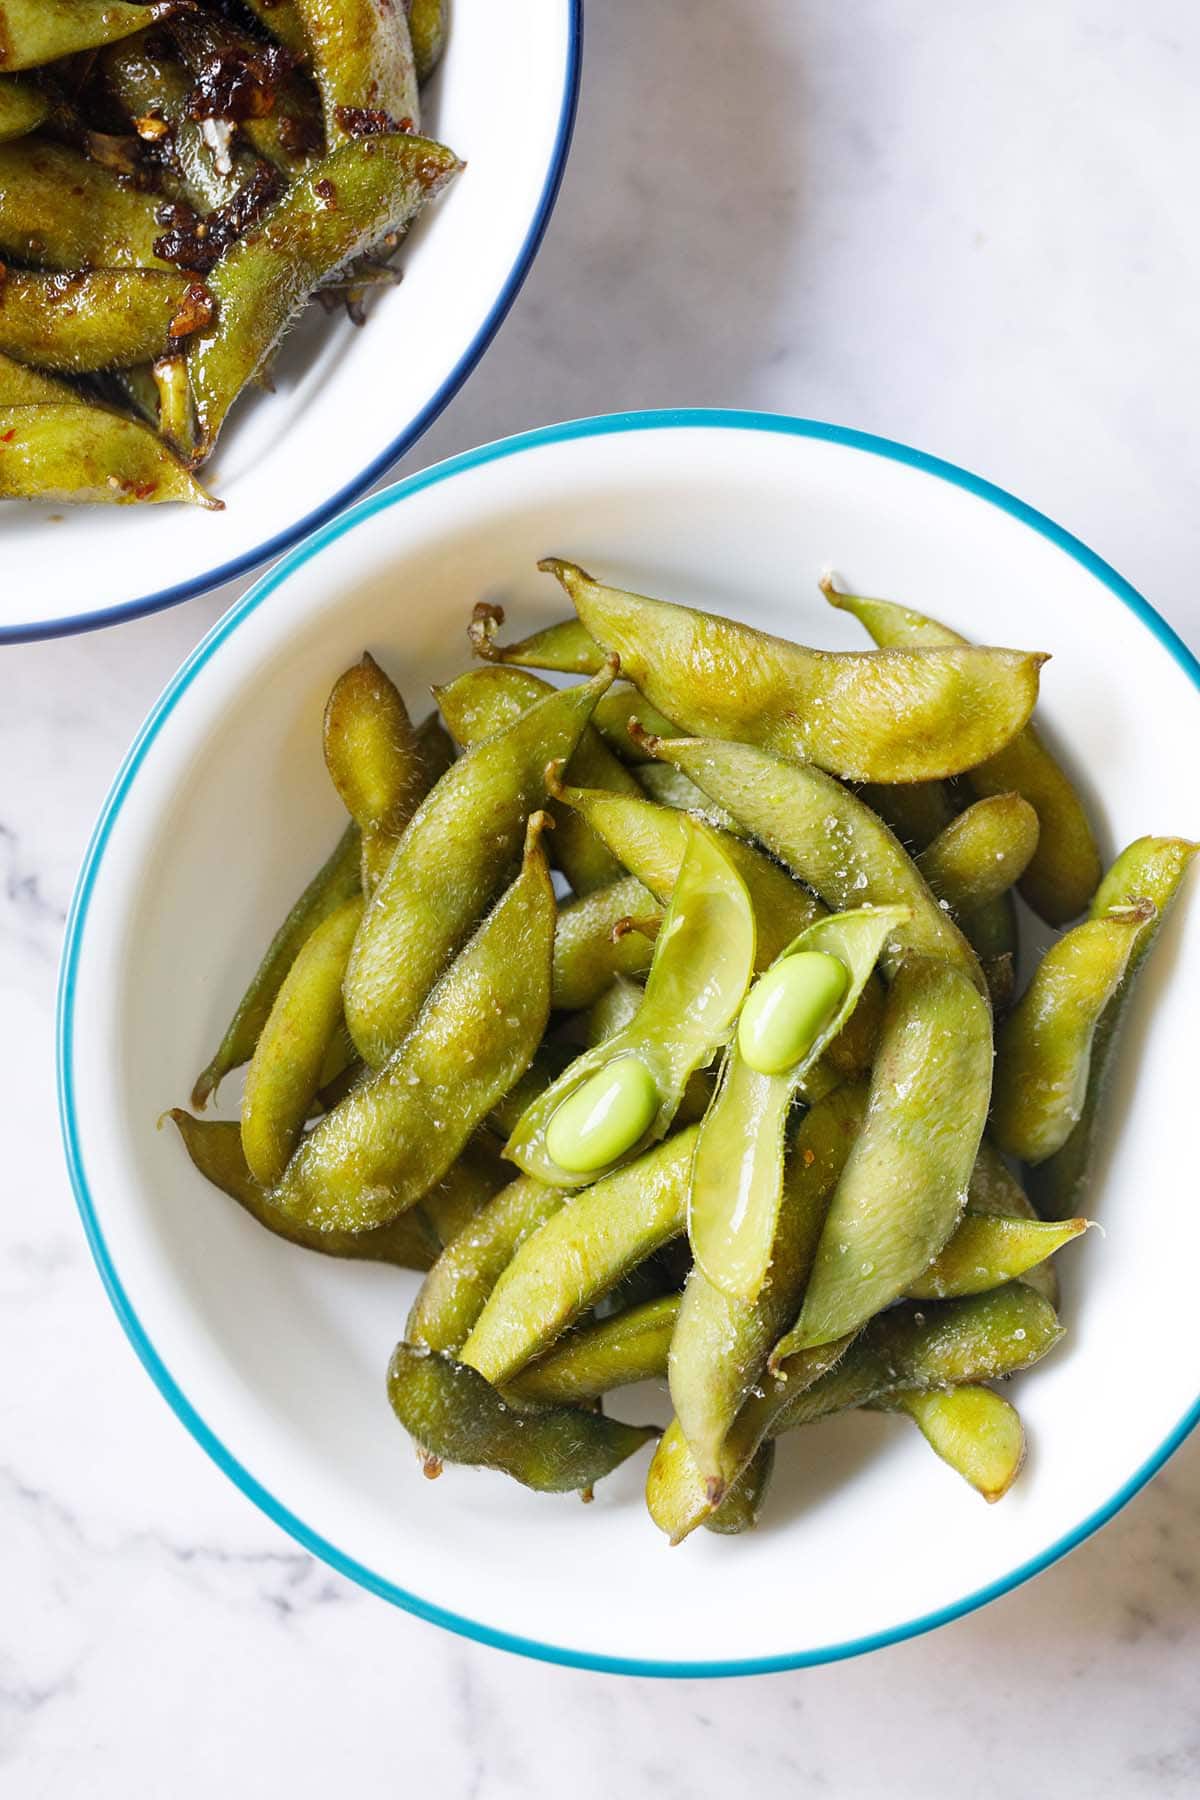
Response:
column 33, row 32
column 1044, row 1047
column 610, row 1353
column 591, row 950
column 283, row 22
column 22, row 386
column 427, row 27
column 741, row 1506
column 565, row 648
column 285, row 1070
column 1065, row 868
column 976, row 1431
column 374, row 760
column 76, row 454
column 456, row 1290
column 60, row 210
column 360, row 55
column 986, row 1251
column 94, row 319
column 887, row 715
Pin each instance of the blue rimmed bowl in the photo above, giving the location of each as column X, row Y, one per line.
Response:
column 275, row 1359
column 347, row 403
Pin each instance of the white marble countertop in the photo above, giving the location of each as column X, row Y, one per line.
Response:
column 970, row 228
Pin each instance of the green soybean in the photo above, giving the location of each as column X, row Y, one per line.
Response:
column 604, row 1118
column 787, row 1010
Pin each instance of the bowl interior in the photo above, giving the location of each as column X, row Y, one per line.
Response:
column 346, row 401
column 225, row 809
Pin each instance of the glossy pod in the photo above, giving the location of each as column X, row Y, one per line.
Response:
column 22, row 386
column 905, row 1184
column 457, row 1287
column 281, row 123
column 396, row 1133
column 455, row 1416
column 96, row 319
column 427, row 27
column 722, row 1342
column 1065, row 869
column 336, row 208
column 891, row 715
column 1151, row 869
column 578, row 1255
column 1044, row 1047
column 484, row 701
column 738, row 1176
column 977, row 1432
column 60, row 210
column 288, row 1064
column 40, row 31
column 702, row 964
column 981, row 853
column 23, row 107
column 361, row 58
column 374, row 760
column 337, row 881
column 215, row 1147
column 153, row 89
column 74, row 454
column 610, row 1353
column 449, row 862
column 986, row 1251
column 827, row 838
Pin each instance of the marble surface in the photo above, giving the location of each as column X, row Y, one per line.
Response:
column 970, row 228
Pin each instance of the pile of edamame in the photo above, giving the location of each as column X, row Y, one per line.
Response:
column 747, row 1098
column 174, row 185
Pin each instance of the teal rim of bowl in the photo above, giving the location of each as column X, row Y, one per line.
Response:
column 604, row 426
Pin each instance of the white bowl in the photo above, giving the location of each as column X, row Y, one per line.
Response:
column 348, row 402
column 275, row 1358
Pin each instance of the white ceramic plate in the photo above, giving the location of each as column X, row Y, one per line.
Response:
column 275, row 1359
column 347, row 402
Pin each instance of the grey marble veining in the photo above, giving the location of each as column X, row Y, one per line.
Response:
column 969, row 228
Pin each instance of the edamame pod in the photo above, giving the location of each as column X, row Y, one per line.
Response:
column 397, row 1132
column 468, row 1186
column 60, row 210
column 565, row 648
column 590, row 950
column 333, row 210
column 484, row 701
column 449, row 862
column 435, row 749
column 995, row 1190
column 905, row 1184
column 1150, row 868
column 629, row 1087
column 1065, row 869
column 153, row 90
column 580, row 1253
column 722, row 1341
column 286, row 1068
column 215, row 1147
column 427, row 27
column 885, row 715
column 914, row 811
column 668, row 787
column 283, row 22
column 741, row 1506
column 23, row 107
column 80, row 454
column 374, row 760
column 457, row 1287
column 825, row 836
column 361, row 57
column 612, row 718
column 96, row 319
column 20, row 386
column 337, row 881
column 738, row 1175
column 1044, row 1047
column 977, row 1432
column 986, row 1251
column 33, row 32
column 455, row 1416
column 981, row 853
column 611, row 1353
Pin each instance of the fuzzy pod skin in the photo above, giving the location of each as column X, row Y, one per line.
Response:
column 986, row 1251
column 76, row 454
column 1064, row 871
column 458, row 1286
column 905, row 1185
column 590, row 948
column 450, row 860
column 892, row 715
column 484, row 701
column 614, row 1352
column 578, row 1255
column 33, row 32
column 976, row 1432
column 22, row 386
column 374, row 760
column 741, row 1506
column 1044, row 1047
column 455, row 1416
column 215, row 1147
column 94, row 319
column 336, row 881
column 60, row 210
column 335, row 209
column 1150, row 869
column 398, row 1131
column 825, row 835
column 288, row 1067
